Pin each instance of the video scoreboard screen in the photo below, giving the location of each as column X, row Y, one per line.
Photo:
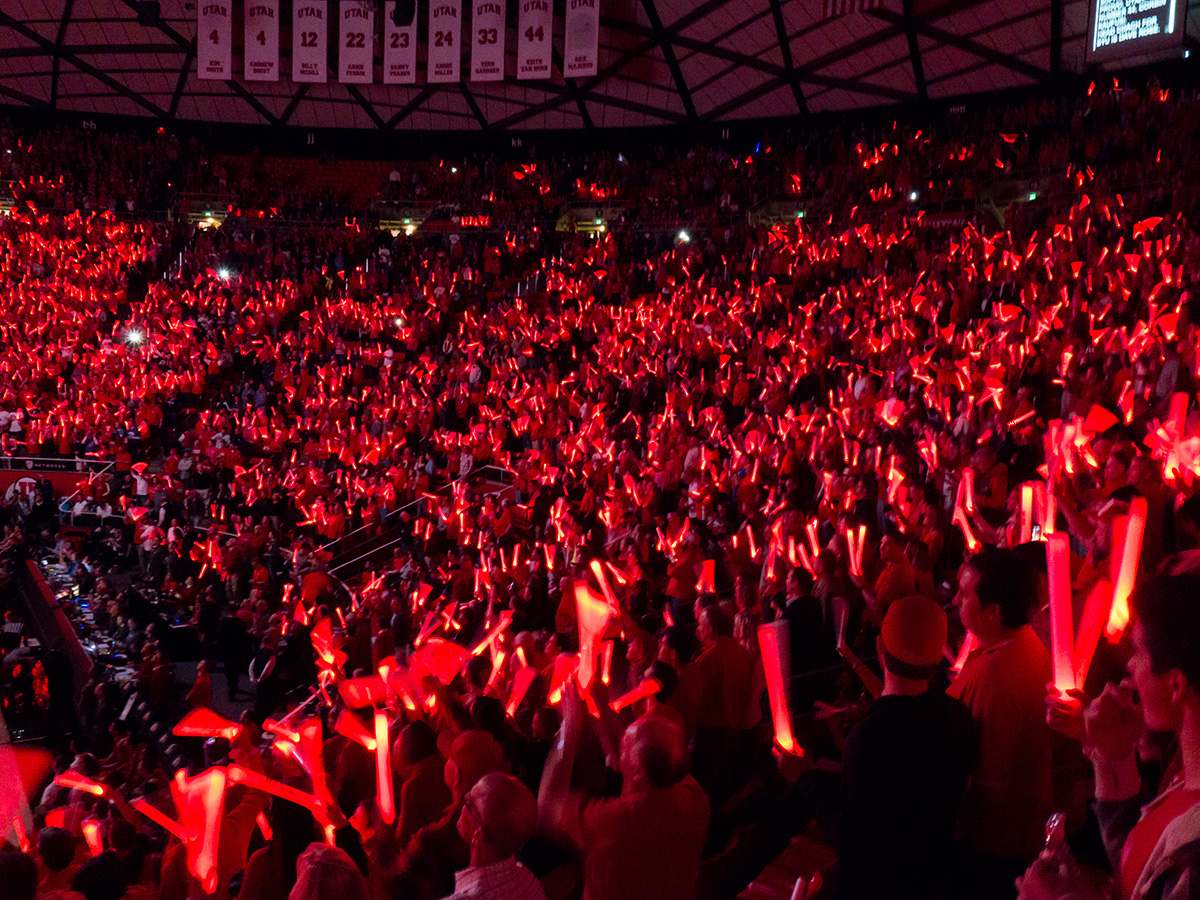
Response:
column 1120, row 29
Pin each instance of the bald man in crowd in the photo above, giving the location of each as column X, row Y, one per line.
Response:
column 646, row 843
column 499, row 814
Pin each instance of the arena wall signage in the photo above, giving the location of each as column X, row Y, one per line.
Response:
column 1134, row 30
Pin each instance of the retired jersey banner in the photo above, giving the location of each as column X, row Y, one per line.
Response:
column 535, row 35
column 310, row 35
column 487, row 40
column 214, row 40
column 262, row 40
column 356, row 44
column 399, row 49
column 581, row 49
column 445, row 36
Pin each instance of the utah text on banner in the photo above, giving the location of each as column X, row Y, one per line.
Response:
column 214, row 40
column 487, row 40
column 310, row 35
column 445, row 39
column 262, row 40
column 399, row 48
column 356, row 44
column 582, row 44
column 535, row 36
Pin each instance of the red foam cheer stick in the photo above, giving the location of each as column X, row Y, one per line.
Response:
column 772, row 640
column 383, row 768
column 1131, row 552
column 1062, row 628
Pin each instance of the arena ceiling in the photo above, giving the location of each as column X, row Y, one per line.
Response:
column 661, row 62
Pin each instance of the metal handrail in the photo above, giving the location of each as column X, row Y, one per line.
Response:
column 401, row 509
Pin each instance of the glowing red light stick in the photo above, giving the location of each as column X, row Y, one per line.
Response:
column 259, row 782
column 969, row 645
column 349, row 727
column 201, row 801
column 643, row 691
column 602, row 580
column 772, row 641
column 75, row 781
column 383, row 769
column 593, row 615
column 969, row 490
column 203, row 722
column 501, row 626
column 22, row 837
column 282, row 730
column 263, row 825
column 91, row 834
column 370, row 690
column 520, row 686
column 960, row 519
column 813, row 540
column 1062, row 628
column 1131, row 553
column 160, row 818
column 565, row 666
column 853, row 556
column 1026, row 513
column 1049, row 512
column 1095, row 615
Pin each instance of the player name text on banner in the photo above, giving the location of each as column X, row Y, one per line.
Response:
column 310, row 36
column 214, row 40
column 262, row 40
column 535, row 33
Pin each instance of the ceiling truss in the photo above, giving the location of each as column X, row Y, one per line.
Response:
column 662, row 62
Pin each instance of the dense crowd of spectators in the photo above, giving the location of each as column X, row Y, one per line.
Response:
column 639, row 462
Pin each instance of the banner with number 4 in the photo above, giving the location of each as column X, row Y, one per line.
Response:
column 262, row 40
